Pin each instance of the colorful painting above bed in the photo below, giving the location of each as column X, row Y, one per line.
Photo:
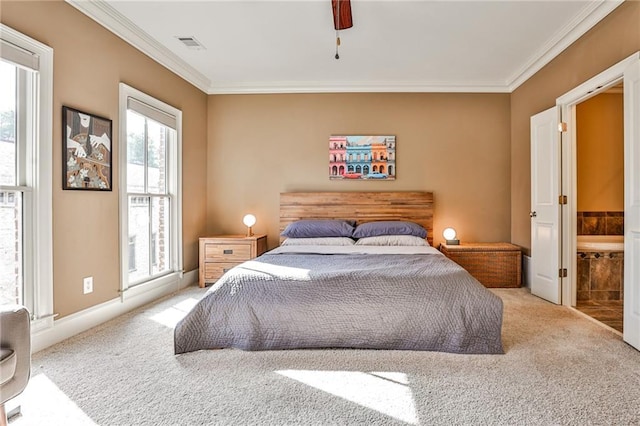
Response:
column 362, row 157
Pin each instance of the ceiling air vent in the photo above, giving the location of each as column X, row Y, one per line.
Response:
column 191, row 43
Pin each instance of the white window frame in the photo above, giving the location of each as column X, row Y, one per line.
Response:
column 37, row 204
column 174, row 182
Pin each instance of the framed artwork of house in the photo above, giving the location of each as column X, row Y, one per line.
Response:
column 362, row 157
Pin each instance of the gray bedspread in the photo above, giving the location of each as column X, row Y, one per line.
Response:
column 290, row 301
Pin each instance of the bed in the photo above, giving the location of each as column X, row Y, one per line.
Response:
column 405, row 297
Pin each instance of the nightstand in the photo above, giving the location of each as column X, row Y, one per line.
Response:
column 220, row 253
column 493, row 264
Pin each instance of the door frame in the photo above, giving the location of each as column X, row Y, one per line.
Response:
column 568, row 166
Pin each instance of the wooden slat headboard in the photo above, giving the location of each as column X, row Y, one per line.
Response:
column 360, row 206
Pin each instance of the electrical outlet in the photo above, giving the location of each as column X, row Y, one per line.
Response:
column 87, row 285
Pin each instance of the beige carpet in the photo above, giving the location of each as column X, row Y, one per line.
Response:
column 559, row 368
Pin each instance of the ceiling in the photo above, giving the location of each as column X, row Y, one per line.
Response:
column 266, row 46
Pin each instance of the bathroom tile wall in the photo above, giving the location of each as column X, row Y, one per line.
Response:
column 600, row 223
column 600, row 276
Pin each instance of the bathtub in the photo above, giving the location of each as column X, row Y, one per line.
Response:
column 600, row 243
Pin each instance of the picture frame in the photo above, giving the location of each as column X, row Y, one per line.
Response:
column 353, row 157
column 86, row 151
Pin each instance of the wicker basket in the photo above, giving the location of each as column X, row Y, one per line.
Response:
column 493, row 264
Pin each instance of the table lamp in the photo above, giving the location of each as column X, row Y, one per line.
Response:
column 449, row 235
column 249, row 220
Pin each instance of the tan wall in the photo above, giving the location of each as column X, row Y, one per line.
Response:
column 600, row 153
column 89, row 63
column 456, row 145
column 613, row 39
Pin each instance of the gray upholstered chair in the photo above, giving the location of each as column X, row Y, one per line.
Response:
column 15, row 354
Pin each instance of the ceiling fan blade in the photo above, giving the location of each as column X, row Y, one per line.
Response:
column 344, row 16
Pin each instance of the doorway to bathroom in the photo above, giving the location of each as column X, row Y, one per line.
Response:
column 599, row 219
column 554, row 215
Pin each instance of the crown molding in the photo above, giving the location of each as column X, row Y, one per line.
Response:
column 262, row 87
column 105, row 15
column 114, row 21
column 589, row 17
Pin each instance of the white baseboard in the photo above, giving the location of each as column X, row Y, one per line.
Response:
column 73, row 324
column 526, row 271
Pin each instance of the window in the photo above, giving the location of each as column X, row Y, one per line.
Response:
column 11, row 219
column 149, row 184
column 26, row 99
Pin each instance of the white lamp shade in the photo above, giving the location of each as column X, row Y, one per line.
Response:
column 249, row 220
column 449, row 234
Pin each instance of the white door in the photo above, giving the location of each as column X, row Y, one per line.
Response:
column 545, row 209
column 631, row 324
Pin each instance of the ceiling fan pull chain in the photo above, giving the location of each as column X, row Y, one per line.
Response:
column 338, row 29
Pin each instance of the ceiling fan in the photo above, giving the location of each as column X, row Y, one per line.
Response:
column 341, row 19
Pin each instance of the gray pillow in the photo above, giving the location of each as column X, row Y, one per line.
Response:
column 319, row 241
column 389, row 227
column 318, row 228
column 392, row 240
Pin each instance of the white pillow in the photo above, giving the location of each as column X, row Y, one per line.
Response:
column 392, row 240
column 319, row 241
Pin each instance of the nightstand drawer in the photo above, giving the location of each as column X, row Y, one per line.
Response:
column 227, row 252
column 213, row 271
column 219, row 253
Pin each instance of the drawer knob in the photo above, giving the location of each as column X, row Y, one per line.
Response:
column 228, row 251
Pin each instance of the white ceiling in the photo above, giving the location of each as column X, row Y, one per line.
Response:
column 266, row 46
